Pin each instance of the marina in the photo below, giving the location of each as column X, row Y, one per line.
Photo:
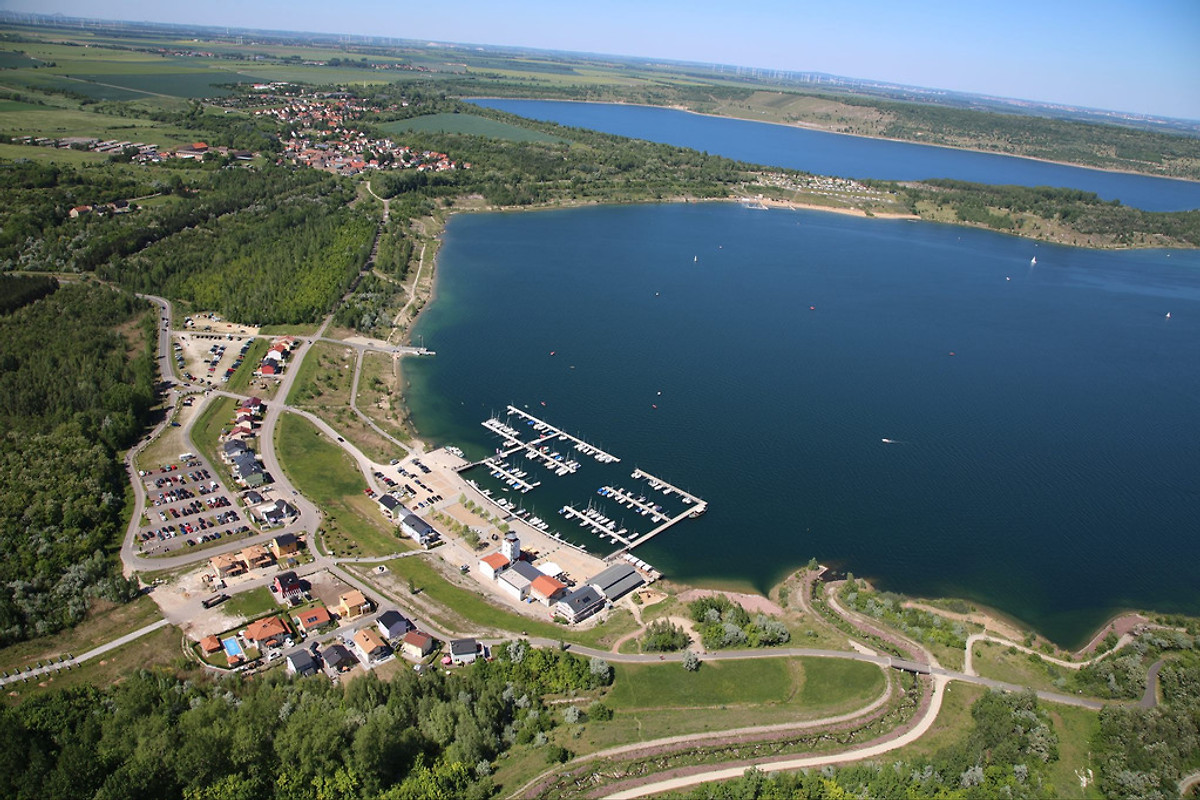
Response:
column 542, row 453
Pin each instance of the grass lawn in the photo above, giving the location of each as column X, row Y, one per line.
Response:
column 105, row 623
column 379, row 395
column 995, row 661
column 206, row 432
column 325, row 474
column 158, row 649
column 245, row 372
column 323, row 386
column 657, row 700
column 953, row 723
column 254, row 603
column 9, row 152
column 1075, row 728
column 468, row 124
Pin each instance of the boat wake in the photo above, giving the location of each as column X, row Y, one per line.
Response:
column 892, row 441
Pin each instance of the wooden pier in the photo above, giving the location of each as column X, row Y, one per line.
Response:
column 626, row 498
column 602, row 530
column 540, row 425
column 502, row 471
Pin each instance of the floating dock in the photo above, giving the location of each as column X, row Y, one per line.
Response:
column 550, row 431
column 508, row 474
column 601, row 525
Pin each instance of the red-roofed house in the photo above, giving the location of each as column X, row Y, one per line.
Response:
column 269, row 631
column 313, row 619
column 210, row 644
column 416, row 644
column 493, row 564
column 547, row 590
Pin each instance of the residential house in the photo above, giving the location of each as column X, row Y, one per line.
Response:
column 579, row 604
column 338, row 658
column 393, row 625
column 301, row 663
column 210, row 644
column 390, row 506
column 231, row 449
column 516, row 580
column 463, row 651
column 227, row 565
column 493, row 564
column 256, row 556
column 416, row 644
column 370, row 646
column 314, row 619
column 276, row 513
column 616, row 581
column 267, row 632
column 253, row 498
column 285, row 544
column 288, row 587
column 353, row 604
column 546, row 590
column 420, row 530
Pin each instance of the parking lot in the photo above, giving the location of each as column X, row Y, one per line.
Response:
column 186, row 505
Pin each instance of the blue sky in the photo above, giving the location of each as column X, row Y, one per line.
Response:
column 1140, row 56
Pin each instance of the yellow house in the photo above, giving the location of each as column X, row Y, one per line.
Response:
column 353, row 604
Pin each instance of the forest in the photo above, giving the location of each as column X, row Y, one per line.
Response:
column 418, row 736
column 73, row 392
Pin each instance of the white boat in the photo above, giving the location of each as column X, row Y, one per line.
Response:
column 1033, row 261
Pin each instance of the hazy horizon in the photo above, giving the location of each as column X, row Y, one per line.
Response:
column 1106, row 55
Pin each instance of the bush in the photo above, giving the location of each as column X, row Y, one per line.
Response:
column 664, row 637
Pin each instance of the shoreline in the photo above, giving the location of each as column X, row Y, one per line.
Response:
column 818, row 129
column 993, row 619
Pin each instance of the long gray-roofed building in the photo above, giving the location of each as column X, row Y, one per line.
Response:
column 616, row 581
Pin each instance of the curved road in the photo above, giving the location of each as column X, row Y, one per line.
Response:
column 309, row 520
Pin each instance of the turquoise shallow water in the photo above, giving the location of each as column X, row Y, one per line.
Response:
column 1045, row 458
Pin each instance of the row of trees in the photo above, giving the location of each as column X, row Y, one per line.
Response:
column 415, row 737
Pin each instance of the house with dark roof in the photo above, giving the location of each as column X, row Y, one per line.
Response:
column 339, row 658
column 301, row 663
column 420, row 530
column 579, row 604
column 288, row 587
column 285, row 544
column 464, row 651
column 390, row 506
column 393, row 625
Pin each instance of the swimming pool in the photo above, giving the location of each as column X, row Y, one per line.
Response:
column 232, row 648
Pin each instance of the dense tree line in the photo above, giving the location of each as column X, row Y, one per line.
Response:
column 1084, row 212
column 17, row 291
column 1003, row 756
column 283, row 260
column 424, row 736
column 70, row 398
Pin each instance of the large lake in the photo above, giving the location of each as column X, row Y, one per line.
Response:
column 849, row 156
column 1045, row 456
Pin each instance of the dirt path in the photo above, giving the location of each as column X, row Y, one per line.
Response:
column 754, row 603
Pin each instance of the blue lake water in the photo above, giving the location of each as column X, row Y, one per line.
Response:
column 849, row 156
column 1046, row 455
